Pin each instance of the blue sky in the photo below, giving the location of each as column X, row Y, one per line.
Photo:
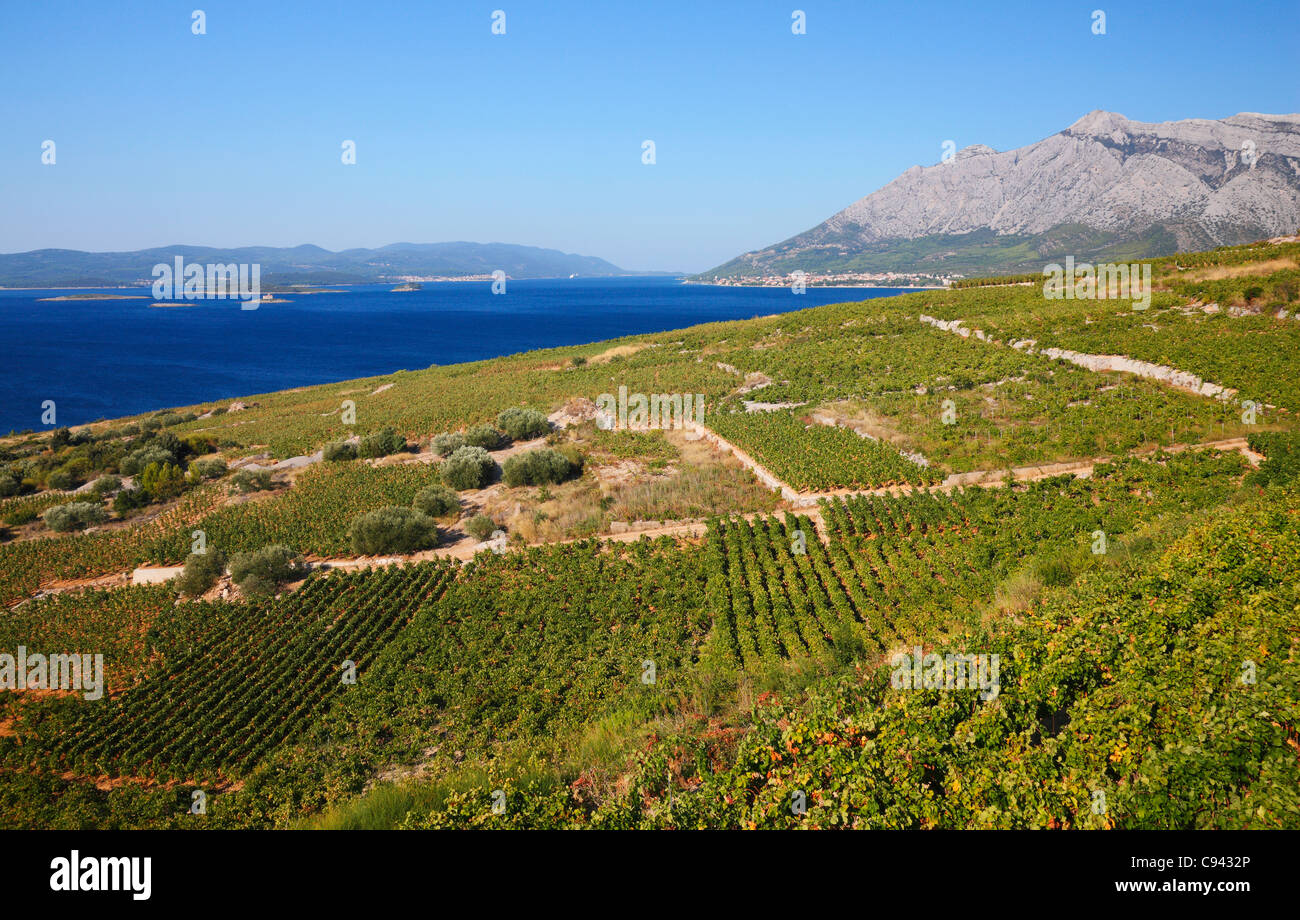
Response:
column 233, row 137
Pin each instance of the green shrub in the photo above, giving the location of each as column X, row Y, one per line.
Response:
column 480, row 527
column 446, row 443
column 537, row 467
column 392, row 530
column 381, row 443
column 106, row 484
column 201, row 572
column 523, row 424
column 466, row 468
column 436, row 501
column 484, row 436
column 60, row 480
column 141, row 457
column 130, row 499
column 246, row 481
column 73, row 516
column 162, row 480
column 207, row 469
column 261, row 572
column 9, row 485
column 339, row 451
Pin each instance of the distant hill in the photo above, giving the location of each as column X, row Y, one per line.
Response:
column 300, row 264
column 1104, row 188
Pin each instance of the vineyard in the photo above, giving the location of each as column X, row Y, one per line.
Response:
column 1144, row 612
column 234, row 682
column 818, row 457
column 897, row 569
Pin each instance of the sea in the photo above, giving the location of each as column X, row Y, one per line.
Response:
column 100, row 359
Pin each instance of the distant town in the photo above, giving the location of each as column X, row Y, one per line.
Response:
column 838, row 279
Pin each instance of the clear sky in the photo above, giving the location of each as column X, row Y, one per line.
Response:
column 234, row 137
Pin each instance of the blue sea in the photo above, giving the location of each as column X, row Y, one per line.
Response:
column 102, row 359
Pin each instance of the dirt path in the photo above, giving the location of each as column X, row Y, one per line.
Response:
column 463, row 548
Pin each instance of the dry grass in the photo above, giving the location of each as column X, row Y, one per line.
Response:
column 1221, row 272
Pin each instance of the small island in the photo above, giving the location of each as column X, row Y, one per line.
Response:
column 408, row 286
column 96, row 297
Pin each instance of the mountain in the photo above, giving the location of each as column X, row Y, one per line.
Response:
column 300, row 264
column 1104, row 187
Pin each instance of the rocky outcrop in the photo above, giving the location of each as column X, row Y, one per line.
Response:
column 1200, row 182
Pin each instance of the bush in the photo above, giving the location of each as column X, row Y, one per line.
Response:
column 537, row 467
column 466, row 468
column 207, row 469
column 339, row 451
column 9, row 485
column 446, row 443
column 60, row 480
column 130, row 499
column 141, row 457
column 392, row 530
column 201, row 572
column 436, row 501
column 246, row 481
column 106, row 484
column 523, row 424
column 481, row 527
column 73, row 516
column 484, row 436
column 162, row 480
column 260, row 573
column 381, row 443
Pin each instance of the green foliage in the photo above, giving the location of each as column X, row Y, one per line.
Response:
column 201, row 572
column 536, row 467
column 162, row 480
column 246, row 480
column 523, row 424
column 200, row 470
column 263, row 571
column 484, row 436
column 480, row 527
column 339, row 451
column 467, row 468
column 381, row 443
column 447, row 442
column 393, row 530
column 74, row 516
column 107, row 484
column 1281, row 452
column 436, row 501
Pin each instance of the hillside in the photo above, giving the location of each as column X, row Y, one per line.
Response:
column 962, row 558
column 1105, row 188
column 299, row 264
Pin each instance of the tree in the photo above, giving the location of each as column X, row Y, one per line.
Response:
column 436, row 501
column 484, row 436
column 339, row 452
column 523, row 424
column 393, row 530
column 201, row 572
column 73, row 516
column 381, row 443
column 447, row 442
column 480, row 527
column 261, row 572
column 251, row 480
column 162, row 480
column 537, row 467
column 466, row 468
